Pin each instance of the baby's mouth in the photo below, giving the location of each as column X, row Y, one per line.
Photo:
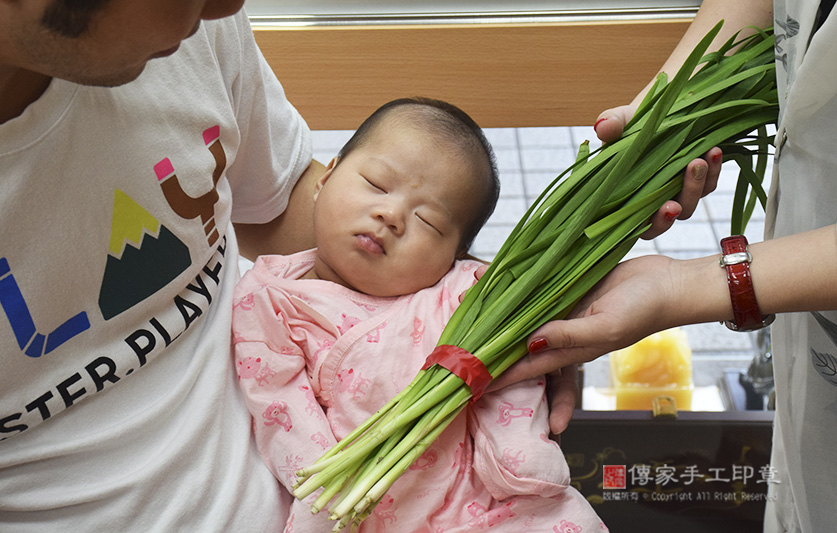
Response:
column 370, row 243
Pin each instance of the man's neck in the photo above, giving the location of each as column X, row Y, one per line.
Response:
column 18, row 89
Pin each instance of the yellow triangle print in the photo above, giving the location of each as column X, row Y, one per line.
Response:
column 130, row 222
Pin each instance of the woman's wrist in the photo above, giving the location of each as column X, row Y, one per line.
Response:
column 736, row 259
column 703, row 291
column 793, row 273
column 796, row 272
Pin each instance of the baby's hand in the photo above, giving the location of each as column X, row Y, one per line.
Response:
column 478, row 273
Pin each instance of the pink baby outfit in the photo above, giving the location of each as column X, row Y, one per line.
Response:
column 316, row 359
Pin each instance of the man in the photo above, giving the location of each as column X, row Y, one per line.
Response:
column 131, row 135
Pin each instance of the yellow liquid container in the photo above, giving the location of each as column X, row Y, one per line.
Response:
column 658, row 365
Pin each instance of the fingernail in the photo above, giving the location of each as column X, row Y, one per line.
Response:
column 700, row 173
column 538, row 345
column 596, row 125
column 670, row 215
column 717, row 158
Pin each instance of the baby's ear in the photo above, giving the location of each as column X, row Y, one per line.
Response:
column 322, row 179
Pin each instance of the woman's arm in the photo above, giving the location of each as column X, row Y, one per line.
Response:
column 652, row 293
column 701, row 176
column 736, row 15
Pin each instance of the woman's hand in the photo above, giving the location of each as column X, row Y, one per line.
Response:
column 700, row 178
column 626, row 306
column 637, row 298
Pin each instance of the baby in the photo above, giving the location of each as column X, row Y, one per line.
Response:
column 326, row 337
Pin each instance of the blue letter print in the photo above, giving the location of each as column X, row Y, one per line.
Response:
column 21, row 320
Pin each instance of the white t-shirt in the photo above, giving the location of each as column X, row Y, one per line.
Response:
column 804, row 190
column 119, row 409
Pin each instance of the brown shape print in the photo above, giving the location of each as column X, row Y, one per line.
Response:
column 202, row 206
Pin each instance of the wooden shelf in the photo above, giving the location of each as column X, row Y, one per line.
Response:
column 504, row 75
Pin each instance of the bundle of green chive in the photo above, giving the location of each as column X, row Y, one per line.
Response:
column 582, row 225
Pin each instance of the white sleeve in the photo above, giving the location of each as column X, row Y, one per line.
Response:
column 275, row 144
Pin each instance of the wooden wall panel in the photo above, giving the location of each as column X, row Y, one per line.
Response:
column 503, row 75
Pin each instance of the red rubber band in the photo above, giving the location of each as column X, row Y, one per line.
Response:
column 462, row 364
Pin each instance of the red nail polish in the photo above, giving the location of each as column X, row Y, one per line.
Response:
column 717, row 158
column 670, row 215
column 538, row 345
column 596, row 125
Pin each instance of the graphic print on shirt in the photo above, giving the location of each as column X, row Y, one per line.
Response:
column 385, row 511
column 321, row 440
column 312, row 408
column 426, row 460
column 566, row 527
column 252, row 367
column 790, row 27
column 202, row 206
column 348, row 323
column 29, row 339
column 508, row 411
column 487, row 518
column 143, row 257
column 351, row 383
column 277, row 414
column 374, row 336
column 512, row 459
column 824, row 362
column 418, row 331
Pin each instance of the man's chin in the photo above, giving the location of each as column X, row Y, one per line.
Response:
column 112, row 80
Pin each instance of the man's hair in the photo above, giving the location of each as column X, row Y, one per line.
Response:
column 452, row 127
column 71, row 18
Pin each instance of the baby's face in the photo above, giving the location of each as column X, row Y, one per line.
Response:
column 389, row 218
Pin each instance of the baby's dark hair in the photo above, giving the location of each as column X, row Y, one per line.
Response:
column 453, row 128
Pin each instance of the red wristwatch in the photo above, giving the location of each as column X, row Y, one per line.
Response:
column 736, row 260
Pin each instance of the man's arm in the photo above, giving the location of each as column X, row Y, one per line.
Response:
column 290, row 232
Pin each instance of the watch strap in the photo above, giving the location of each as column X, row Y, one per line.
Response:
column 736, row 260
